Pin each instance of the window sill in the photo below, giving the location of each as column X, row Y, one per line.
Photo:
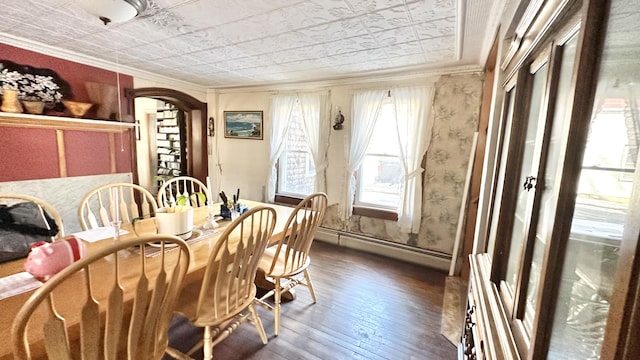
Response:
column 357, row 210
column 286, row 199
column 375, row 213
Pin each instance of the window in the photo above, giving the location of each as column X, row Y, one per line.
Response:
column 298, row 146
column 380, row 176
column 389, row 137
column 296, row 171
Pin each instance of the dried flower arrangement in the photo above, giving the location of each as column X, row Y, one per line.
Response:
column 34, row 84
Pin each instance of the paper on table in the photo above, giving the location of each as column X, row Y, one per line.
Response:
column 97, row 234
column 17, row 284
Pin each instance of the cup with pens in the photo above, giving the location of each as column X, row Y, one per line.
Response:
column 231, row 208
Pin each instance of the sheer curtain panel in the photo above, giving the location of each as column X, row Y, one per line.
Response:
column 365, row 111
column 314, row 108
column 414, row 124
column 281, row 108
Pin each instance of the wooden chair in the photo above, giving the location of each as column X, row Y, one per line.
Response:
column 134, row 201
column 226, row 296
column 10, row 199
column 287, row 262
column 138, row 293
column 192, row 189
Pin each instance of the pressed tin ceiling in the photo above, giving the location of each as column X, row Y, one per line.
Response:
column 231, row 43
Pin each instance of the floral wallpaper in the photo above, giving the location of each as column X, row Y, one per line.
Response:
column 456, row 108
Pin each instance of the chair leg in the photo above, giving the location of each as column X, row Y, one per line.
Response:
column 310, row 285
column 207, row 348
column 258, row 324
column 276, row 307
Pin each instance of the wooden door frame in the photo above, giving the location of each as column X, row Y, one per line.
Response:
column 196, row 117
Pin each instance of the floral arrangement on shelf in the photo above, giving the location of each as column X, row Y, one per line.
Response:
column 31, row 87
column 34, row 84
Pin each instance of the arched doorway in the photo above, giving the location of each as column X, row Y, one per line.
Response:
column 196, row 127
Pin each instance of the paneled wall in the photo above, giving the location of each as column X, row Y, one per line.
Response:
column 41, row 147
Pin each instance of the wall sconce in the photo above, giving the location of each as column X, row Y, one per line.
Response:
column 337, row 125
column 211, row 127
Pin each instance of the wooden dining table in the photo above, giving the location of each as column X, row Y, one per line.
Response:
column 199, row 248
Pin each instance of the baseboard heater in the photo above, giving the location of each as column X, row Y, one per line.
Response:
column 390, row 249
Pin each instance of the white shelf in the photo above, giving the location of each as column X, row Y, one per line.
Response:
column 62, row 123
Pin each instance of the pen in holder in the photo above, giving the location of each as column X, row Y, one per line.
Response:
column 230, row 211
column 225, row 212
column 231, row 208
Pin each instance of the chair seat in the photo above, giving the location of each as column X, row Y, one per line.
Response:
column 282, row 268
column 187, row 306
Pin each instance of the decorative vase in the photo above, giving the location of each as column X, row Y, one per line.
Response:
column 10, row 101
column 175, row 223
column 106, row 99
column 33, row 107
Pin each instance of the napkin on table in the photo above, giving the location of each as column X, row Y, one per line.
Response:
column 17, row 284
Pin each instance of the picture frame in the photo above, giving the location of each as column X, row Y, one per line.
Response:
column 244, row 125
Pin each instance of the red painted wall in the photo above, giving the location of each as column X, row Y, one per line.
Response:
column 87, row 153
column 28, row 153
column 123, row 151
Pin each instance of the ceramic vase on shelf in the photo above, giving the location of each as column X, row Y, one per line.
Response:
column 106, row 99
column 10, row 101
column 33, row 107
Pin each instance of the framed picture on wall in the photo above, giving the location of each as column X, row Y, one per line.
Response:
column 243, row 125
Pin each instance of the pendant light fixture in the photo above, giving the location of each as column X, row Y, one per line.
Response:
column 114, row 10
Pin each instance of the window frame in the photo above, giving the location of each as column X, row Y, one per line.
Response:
column 371, row 209
column 286, row 196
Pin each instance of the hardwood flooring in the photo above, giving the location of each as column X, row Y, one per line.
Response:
column 369, row 307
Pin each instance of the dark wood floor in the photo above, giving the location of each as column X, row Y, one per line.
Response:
column 369, row 307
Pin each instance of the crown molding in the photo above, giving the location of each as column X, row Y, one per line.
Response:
column 93, row 61
column 462, row 10
column 493, row 26
column 400, row 75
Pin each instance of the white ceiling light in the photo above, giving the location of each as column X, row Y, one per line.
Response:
column 114, row 10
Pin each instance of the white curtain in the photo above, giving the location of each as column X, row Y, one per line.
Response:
column 314, row 108
column 365, row 110
column 281, row 108
column 412, row 110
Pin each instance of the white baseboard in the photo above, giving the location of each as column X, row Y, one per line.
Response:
column 402, row 252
